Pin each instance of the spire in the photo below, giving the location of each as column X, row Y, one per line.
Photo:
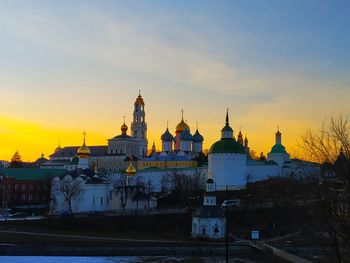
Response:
column 227, row 120
column 227, row 132
column 84, row 134
column 278, row 136
column 246, row 141
column 58, row 148
column 182, row 114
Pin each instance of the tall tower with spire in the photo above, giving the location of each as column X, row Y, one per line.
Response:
column 139, row 125
column 227, row 160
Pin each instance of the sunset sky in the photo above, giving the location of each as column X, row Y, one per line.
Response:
column 69, row 66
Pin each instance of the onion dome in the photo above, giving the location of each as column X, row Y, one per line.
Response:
column 166, row 136
column 83, row 151
column 139, row 100
column 182, row 126
column 124, row 128
column 197, row 137
column 185, row 135
column 130, row 171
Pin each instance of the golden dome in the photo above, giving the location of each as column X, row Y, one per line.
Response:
column 130, row 171
column 83, row 151
column 182, row 126
column 124, row 127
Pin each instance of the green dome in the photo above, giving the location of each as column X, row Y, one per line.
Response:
column 227, row 146
column 278, row 148
column 74, row 160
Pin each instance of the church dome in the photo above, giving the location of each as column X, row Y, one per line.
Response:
column 227, row 146
column 124, row 127
column 167, row 136
column 182, row 126
column 278, row 149
column 227, row 128
column 197, row 137
column 130, row 171
column 83, row 151
column 186, row 135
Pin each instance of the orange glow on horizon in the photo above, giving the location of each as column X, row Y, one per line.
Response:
column 32, row 139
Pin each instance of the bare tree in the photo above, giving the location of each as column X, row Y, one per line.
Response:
column 323, row 145
column 330, row 146
column 70, row 190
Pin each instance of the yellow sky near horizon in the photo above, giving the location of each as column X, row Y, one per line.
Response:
column 31, row 139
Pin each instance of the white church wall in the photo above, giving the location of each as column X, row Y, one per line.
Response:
column 227, row 169
column 262, row 172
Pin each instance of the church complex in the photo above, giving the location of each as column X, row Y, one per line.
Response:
column 229, row 162
column 127, row 163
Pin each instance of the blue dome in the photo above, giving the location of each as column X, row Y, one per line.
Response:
column 166, row 136
column 197, row 137
column 186, row 135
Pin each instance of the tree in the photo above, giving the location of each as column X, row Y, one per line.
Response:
column 69, row 189
column 16, row 161
column 330, row 146
column 323, row 145
column 183, row 186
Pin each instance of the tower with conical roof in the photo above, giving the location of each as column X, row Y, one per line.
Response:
column 139, row 125
column 278, row 152
column 227, row 160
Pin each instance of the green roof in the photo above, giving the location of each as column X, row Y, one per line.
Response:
column 278, row 148
column 226, row 145
column 31, row 174
column 74, row 160
column 227, row 128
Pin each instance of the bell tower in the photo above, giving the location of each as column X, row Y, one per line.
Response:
column 139, row 125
